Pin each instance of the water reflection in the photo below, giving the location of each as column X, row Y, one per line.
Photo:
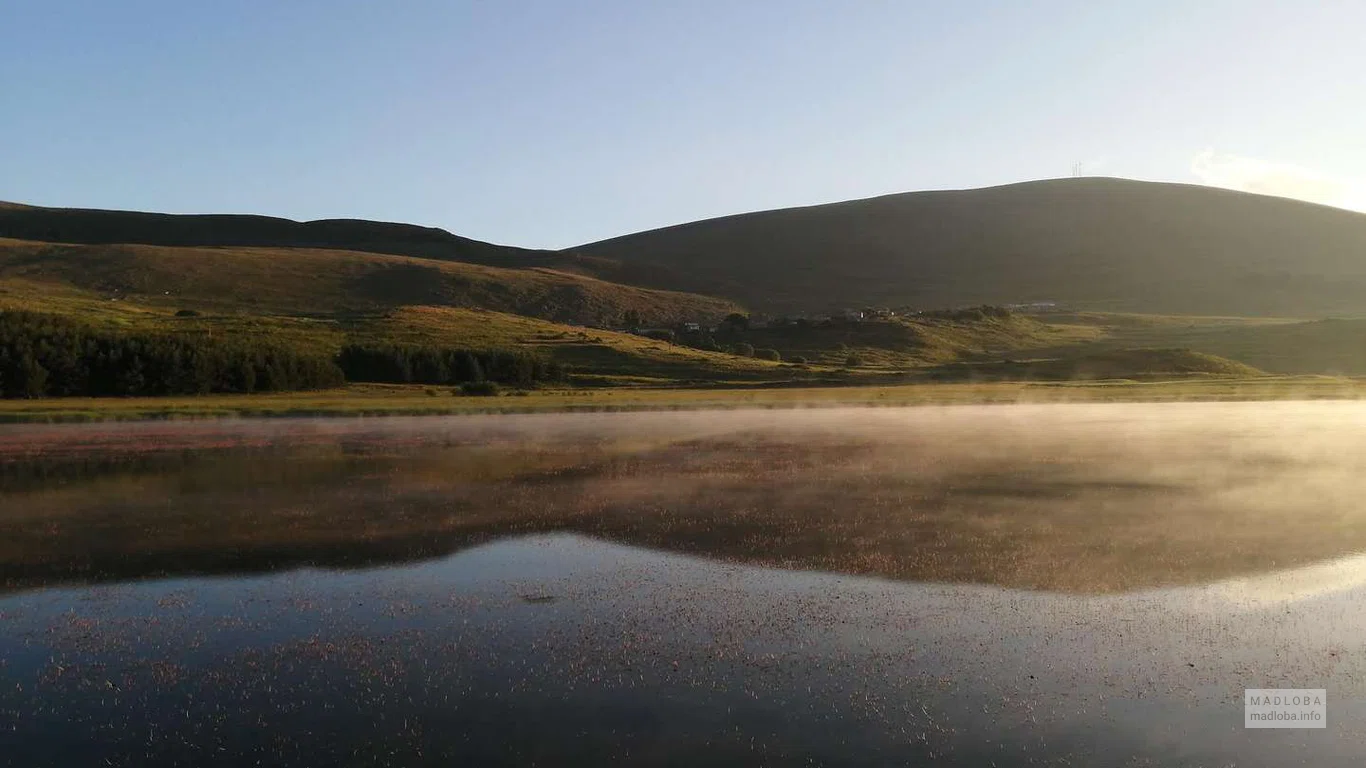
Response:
column 1082, row 498
column 647, row 657
column 1054, row 585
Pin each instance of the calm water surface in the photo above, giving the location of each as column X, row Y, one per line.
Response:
column 1046, row 586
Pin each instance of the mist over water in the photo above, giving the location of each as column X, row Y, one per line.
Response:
column 1078, row 498
column 1023, row 584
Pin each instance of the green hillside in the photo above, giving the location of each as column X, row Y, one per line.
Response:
column 595, row 356
column 625, row 357
column 86, row 226
column 1096, row 243
column 908, row 341
column 885, row 352
column 1332, row 346
column 1100, row 365
column 99, row 227
column 312, row 282
column 1088, row 244
column 1104, row 244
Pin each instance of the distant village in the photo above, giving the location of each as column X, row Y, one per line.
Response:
column 757, row 320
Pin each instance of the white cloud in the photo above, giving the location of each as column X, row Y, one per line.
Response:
column 1249, row 174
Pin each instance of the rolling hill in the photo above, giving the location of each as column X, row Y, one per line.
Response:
column 85, row 226
column 315, row 282
column 1099, row 247
column 1092, row 243
column 100, row 227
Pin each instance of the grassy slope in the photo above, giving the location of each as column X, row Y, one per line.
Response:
column 1275, row 345
column 1104, row 364
column 91, row 226
column 311, row 297
column 317, row 298
column 310, row 282
column 1104, row 244
column 1321, row 346
column 610, row 357
column 585, row 350
column 1107, row 244
column 912, row 341
column 589, row 351
column 102, row 227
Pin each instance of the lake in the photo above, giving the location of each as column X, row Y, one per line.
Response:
column 974, row 585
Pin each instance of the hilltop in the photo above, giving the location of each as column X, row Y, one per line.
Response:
column 1092, row 243
column 103, row 227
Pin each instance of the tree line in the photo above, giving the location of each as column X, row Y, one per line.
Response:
column 43, row 355
column 51, row 356
column 420, row 364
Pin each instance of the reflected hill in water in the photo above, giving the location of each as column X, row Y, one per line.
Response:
column 1069, row 498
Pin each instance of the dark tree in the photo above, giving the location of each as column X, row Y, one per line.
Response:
column 46, row 355
column 736, row 322
column 403, row 364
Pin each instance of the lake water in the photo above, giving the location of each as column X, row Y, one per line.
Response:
column 1008, row 585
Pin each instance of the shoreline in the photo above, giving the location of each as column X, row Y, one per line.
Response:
column 370, row 401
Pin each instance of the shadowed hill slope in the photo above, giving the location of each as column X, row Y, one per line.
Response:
column 99, row 227
column 1107, row 364
column 1332, row 346
column 1102, row 244
column 304, row 281
column 1095, row 243
column 86, row 226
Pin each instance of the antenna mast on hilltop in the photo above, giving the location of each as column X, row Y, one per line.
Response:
column 1076, row 169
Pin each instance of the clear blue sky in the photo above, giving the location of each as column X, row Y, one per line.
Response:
column 549, row 124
